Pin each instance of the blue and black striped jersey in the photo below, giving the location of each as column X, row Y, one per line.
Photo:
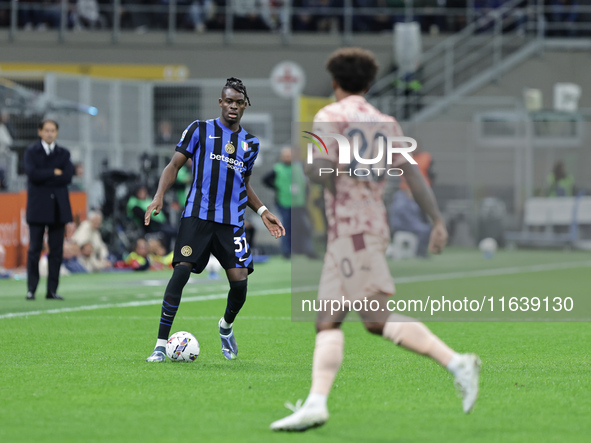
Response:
column 221, row 161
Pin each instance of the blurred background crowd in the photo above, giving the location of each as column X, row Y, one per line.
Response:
column 433, row 16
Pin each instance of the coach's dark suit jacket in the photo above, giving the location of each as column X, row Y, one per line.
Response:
column 48, row 201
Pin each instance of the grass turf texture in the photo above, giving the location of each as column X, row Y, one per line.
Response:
column 81, row 376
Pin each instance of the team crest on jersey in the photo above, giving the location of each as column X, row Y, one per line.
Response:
column 186, row 251
column 184, row 133
column 245, row 146
column 230, row 148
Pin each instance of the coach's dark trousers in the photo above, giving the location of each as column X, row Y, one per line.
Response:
column 55, row 240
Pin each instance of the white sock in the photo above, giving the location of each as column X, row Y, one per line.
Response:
column 160, row 342
column 224, row 324
column 316, row 400
column 454, row 364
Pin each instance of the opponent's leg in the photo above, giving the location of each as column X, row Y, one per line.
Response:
column 170, row 305
column 237, row 277
column 328, row 350
column 416, row 337
column 328, row 356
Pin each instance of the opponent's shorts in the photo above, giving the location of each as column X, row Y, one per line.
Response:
column 355, row 267
column 198, row 238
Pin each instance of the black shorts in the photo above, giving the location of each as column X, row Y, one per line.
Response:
column 198, row 238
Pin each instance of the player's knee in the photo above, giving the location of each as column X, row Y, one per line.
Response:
column 180, row 277
column 237, row 274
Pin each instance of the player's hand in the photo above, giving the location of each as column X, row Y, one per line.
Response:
column 57, row 171
column 273, row 224
column 155, row 207
column 438, row 238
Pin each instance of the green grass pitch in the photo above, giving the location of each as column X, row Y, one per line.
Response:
column 75, row 371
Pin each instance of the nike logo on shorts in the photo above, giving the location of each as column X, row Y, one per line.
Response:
column 241, row 259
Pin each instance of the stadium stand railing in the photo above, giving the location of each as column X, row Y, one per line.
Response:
column 284, row 17
column 492, row 44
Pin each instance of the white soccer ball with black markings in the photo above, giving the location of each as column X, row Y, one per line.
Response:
column 182, row 346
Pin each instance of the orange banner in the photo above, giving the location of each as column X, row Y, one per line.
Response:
column 14, row 231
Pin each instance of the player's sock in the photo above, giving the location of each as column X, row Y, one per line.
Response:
column 236, row 299
column 316, row 400
column 172, row 299
column 160, row 343
column 225, row 327
column 455, row 363
column 328, row 356
column 418, row 338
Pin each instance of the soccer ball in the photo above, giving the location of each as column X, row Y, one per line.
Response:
column 182, row 346
column 488, row 247
column 213, row 268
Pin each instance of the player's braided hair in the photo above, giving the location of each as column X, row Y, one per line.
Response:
column 237, row 85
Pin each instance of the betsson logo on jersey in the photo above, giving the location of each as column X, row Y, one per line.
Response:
column 230, row 162
column 360, row 148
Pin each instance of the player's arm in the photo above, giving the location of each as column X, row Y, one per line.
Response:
column 38, row 176
column 167, row 179
column 270, row 220
column 321, row 172
column 425, row 198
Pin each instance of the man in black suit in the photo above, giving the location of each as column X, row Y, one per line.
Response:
column 50, row 170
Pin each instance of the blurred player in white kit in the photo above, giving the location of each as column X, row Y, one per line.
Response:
column 355, row 267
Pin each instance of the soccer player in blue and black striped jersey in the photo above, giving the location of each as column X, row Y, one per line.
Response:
column 223, row 155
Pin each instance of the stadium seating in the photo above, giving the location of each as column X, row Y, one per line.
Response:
column 554, row 221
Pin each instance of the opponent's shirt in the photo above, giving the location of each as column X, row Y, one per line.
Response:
column 222, row 159
column 358, row 205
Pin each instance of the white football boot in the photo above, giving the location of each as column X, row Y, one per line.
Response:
column 304, row 417
column 466, row 380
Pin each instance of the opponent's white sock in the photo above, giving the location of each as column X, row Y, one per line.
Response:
column 316, row 400
column 160, row 342
column 328, row 356
column 454, row 364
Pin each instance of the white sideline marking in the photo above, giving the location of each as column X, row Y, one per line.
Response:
column 399, row 280
column 131, row 304
column 493, row 272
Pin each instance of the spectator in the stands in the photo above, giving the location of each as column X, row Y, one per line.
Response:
column 157, row 255
column 456, row 20
column 136, row 19
column 71, row 258
column 252, row 15
column 90, row 259
column 318, row 15
column 87, row 15
column 432, row 20
column 200, row 11
column 562, row 17
column 164, row 135
column 78, row 178
column 89, row 233
column 559, row 183
column 136, row 210
column 138, row 259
